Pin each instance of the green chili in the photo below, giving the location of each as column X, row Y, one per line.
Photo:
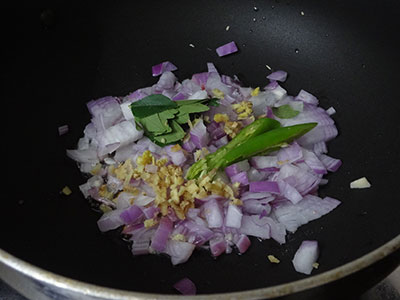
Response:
column 266, row 143
column 214, row 160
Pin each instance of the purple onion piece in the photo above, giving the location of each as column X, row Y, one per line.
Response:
column 278, row 76
column 226, row 49
column 264, row 186
column 163, row 67
column 186, row 287
column 159, row 240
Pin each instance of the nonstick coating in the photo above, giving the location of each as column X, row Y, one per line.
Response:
column 61, row 54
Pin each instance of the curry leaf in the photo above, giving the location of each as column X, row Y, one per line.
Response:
column 285, row 112
column 174, row 136
column 192, row 108
column 182, row 118
column 152, row 104
column 160, row 117
column 154, row 124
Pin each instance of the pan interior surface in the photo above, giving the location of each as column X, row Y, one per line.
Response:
column 63, row 54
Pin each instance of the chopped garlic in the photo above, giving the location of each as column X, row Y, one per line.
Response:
column 105, row 208
column 66, row 191
column 245, row 108
column 273, row 259
column 150, row 223
column 255, row 92
column 218, row 93
column 176, row 148
column 178, row 237
column 221, row 118
column 360, row 183
column 96, row 169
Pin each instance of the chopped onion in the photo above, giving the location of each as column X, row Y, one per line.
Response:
column 251, row 225
column 110, row 220
column 186, row 287
column 306, row 97
column 199, row 135
column 264, row 186
column 163, row 67
column 314, row 162
column 242, row 166
column 226, row 49
column 63, row 129
column 213, row 214
column 277, row 76
column 262, row 162
column 277, row 192
column 179, row 251
column 241, row 178
column 217, row 245
column 305, row 257
column 243, row 243
column 289, row 154
column 308, row 209
column 160, row 237
column 131, row 214
column 330, row 111
column 233, row 216
column 177, row 157
column 289, row 192
column 330, row 163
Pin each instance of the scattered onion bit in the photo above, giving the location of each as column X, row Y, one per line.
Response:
column 227, row 49
column 315, row 265
column 185, row 286
column 360, row 183
column 63, row 129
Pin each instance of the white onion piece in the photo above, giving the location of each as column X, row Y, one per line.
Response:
column 83, row 156
column 110, row 220
column 121, row 134
column 179, row 251
column 308, row 209
column 252, row 226
column 262, row 162
column 213, row 214
column 233, row 216
column 198, row 95
column 305, row 257
column 307, row 97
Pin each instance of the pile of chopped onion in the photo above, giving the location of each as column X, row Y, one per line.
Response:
column 276, row 193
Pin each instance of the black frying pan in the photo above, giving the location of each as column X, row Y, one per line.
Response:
column 62, row 54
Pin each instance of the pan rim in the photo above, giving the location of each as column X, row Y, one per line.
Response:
column 93, row 290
